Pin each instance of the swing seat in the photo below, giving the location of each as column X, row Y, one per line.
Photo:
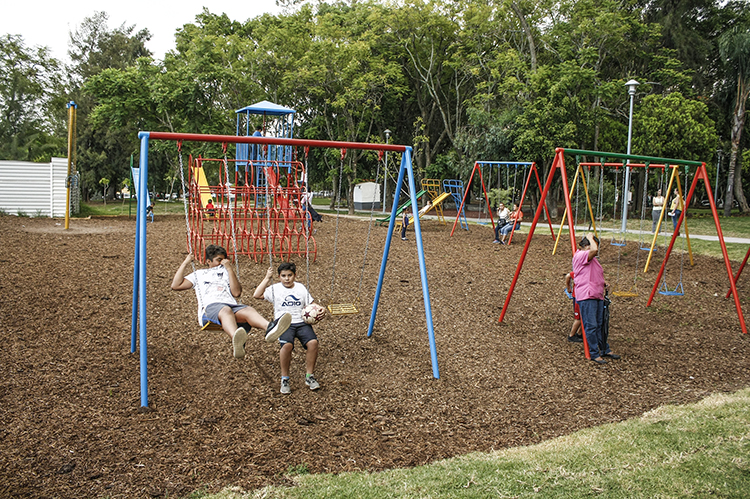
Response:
column 648, row 248
column 211, row 326
column 342, row 309
column 677, row 291
column 613, row 243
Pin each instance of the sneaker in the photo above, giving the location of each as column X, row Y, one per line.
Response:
column 403, row 239
column 496, row 241
column 278, row 327
column 312, row 382
column 285, row 386
column 576, row 338
column 238, row 342
column 502, row 242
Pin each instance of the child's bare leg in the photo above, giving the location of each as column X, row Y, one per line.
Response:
column 228, row 321
column 285, row 356
column 252, row 317
column 312, row 356
column 576, row 326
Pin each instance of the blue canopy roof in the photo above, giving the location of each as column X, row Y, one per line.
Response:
column 265, row 107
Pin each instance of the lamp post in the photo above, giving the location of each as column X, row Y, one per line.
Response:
column 385, row 170
column 632, row 85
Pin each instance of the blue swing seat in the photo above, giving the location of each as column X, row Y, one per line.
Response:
column 677, row 291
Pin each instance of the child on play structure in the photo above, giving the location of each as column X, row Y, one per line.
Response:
column 502, row 220
column 290, row 298
column 210, row 209
column 514, row 221
column 405, row 222
column 575, row 336
column 217, row 288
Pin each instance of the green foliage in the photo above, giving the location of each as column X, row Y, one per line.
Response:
column 673, row 126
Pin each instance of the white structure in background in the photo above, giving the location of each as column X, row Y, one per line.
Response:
column 36, row 189
column 367, row 196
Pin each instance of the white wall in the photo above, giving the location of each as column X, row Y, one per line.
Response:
column 366, row 195
column 33, row 188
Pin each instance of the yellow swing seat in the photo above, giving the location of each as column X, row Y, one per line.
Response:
column 342, row 309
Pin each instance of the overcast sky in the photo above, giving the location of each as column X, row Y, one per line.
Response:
column 47, row 22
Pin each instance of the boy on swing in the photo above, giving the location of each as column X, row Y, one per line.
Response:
column 217, row 288
column 290, row 297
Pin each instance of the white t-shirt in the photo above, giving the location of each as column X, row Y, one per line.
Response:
column 211, row 286
column 291, row 300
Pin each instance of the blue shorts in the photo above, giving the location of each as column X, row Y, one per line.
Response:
column 304, row 332
column 211, row 313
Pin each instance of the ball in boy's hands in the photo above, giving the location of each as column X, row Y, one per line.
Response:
column 313, row 313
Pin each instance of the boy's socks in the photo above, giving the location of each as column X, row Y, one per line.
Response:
column 238, row 342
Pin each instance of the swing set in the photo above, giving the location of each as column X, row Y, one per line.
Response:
column 526, row 178
column 231, row 203
column 558, row 165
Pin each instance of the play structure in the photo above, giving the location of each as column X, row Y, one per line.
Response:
column 436, row 196
column 559, row 167
column 517, row 198
column 234, row 197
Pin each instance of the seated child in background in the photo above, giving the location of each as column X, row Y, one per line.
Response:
column 290, row 298
column 210, row 210
column 217, row 288
column 502, row 220
column 514, row 222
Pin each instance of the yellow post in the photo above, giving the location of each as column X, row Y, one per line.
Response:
column 565, row 211
column 71, row 148
column 661, row 217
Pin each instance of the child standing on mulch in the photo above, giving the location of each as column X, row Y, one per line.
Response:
column 290, row 298
column 575, row 336
column 217, row 288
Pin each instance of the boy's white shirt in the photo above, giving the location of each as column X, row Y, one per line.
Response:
column 211, row 286
column 288, row 300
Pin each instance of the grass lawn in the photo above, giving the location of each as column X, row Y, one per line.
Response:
column 698, row 450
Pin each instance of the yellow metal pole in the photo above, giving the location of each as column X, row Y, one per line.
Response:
column 661, row 217
column 565, row 211
column 588, row 202
column 684, row 218
column 71, row 124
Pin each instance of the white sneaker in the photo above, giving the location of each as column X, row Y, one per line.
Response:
column 285, row 387
column 238, row 343
column 312, row 382
column 278, row 327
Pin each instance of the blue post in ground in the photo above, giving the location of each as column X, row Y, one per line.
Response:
column 141, row 221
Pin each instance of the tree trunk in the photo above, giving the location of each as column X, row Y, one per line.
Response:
column 738, row 193
column 527, row 31
column 738, row 123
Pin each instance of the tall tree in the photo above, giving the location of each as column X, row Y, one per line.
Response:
column 27, row 76
column 734, row 47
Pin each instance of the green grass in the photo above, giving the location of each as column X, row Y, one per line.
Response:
column 698, row 450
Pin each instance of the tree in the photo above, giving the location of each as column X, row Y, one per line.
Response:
column 27, row 78
column 734, row 47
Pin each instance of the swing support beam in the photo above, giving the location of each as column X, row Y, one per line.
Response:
column 139, row 316
column 559, row 164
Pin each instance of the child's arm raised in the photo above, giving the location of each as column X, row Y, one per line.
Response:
column 263, row 284
column 234, row 284
column 179, row 283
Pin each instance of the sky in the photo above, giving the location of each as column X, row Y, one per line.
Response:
column 47, row 22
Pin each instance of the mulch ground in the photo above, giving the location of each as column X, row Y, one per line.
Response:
column 70, row 388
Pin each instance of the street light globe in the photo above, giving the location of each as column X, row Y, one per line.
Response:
column 387, row 134
column 632, row 84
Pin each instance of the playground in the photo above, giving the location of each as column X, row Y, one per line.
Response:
column 71, row 424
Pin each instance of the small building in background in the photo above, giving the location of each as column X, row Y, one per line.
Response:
column 367, row 196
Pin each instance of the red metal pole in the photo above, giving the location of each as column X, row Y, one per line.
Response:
column 739, row 272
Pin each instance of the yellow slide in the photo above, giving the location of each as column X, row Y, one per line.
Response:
column 203, row 188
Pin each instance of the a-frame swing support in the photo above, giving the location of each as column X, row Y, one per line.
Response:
column 701, row 173
column 139, row 316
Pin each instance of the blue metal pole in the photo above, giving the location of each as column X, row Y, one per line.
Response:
column 423, row 270
column 141, row 221
column 134, row 315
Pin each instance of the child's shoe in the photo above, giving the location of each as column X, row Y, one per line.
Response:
column 238, row 342
column 576, row 338
column 278, row 327
column 285, row 386
column 312, row 382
